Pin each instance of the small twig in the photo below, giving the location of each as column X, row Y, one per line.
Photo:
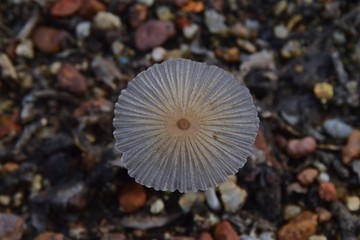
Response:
column 26, row 135
column 339, row 67
column 329, row 147
column 5, row 29
column 29, row 26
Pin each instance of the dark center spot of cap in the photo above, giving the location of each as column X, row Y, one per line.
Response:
column 183, row 124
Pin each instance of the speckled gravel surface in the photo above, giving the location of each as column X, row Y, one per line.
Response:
column 63, row 64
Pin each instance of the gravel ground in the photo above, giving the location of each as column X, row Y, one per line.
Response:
column 63, row 64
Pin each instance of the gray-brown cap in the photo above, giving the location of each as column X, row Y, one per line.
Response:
column 184, row 125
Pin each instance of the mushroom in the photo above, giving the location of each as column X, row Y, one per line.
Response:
column 184, row 125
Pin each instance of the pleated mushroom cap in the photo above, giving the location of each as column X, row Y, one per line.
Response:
column 184, row 125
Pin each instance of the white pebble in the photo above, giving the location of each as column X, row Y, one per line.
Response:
column 215, row 22
column 55, row 67
column 267, row 236
column 7, row 67
column 281, row 31
column 232, row 196
column 291, row 211
column 324, row 177
column 157, row 206
column 190, row 31
column 353, row 203
column 158, row 54
column 117, row 47
column 36, row 184
column 317, row 237
column 4, row 200
column 83, row 30
column 25, row 49
column 146, row 2
column 187, row 200
column 106, row 21
column 320, row 166
column 164, row 13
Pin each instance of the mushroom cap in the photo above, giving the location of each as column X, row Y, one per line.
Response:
column 184, row 125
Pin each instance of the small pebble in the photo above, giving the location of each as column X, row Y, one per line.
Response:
column 324, row 177
column 252, row 24
column 65, row 8
column 55, row 67
column 231, row 54
column 353, row 203
column 106, row 21
column 327, row 192
column 5, row 200
column 117, row 47
column 193, row 6
column 301, row 147
column 239, row 30
column 190, row 31
column 352, row 149
column 205, row 236
column 291, row 211
column 232, row 196
column 25, row 49
column 50, row 236
column 83, row 30
column 48, row 40
column 11, row 226
column 147, row 2
column 281, row 31
column 187, row 200
column 37, row 183
column 132, row 197
column 71, row 80
column 7, row 67
column 324, row 215
column 296, row 188
column 301, row 227
column 280, row 7
column 215, row 22
column 307, row 176
column 246, row 45
column 324, row 91
column 137, row 14
column 337, row 128
column 18, row 199
column 339, row 37
column 153, row 34
column 179, row 3
column 225, row 231
column 158, row 54
column 267, row 236
column 320, row 166
column 247, row 237
column 317, row 237
column 291, row 49
column 157, row 206
column 90, row 8
column 164, row 13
